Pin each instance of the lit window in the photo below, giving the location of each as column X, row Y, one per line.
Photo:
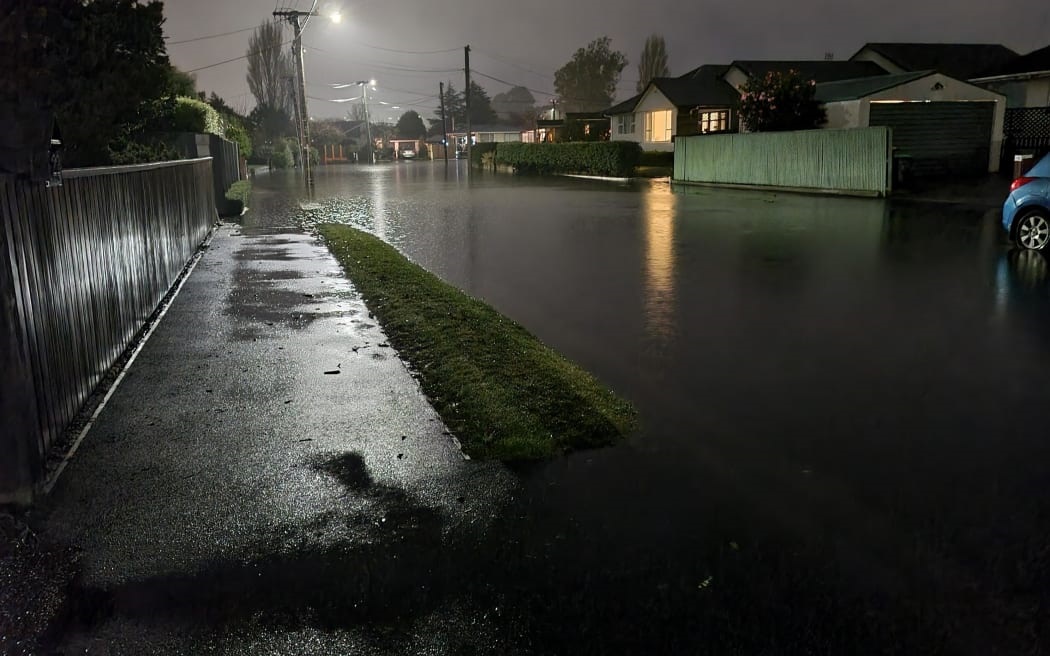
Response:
column 714, row 121
column 625, row 124
column 658, row 126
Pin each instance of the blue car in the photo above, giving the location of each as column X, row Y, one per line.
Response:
column 1026, row 212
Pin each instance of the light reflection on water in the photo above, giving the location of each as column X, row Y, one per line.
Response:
column 659, row 211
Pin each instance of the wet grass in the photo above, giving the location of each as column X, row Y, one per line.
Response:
column 501, row 391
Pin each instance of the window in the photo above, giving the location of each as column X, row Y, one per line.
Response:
column 625, row 124
column 714, row 121
column 658, row 125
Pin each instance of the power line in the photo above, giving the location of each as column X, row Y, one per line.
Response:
column 227, row 61
column 407, row 52
column 210, row 36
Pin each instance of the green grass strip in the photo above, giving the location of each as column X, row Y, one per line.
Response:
column 500, row 390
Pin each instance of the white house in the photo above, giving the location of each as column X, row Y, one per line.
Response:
column 945, row 125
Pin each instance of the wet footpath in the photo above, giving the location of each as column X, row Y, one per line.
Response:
column 268, row 478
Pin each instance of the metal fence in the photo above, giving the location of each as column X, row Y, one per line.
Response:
column 82, row 267
column 850, row 161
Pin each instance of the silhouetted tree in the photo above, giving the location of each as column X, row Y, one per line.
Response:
column 99, row 66
column 410, row 126
column 269, row 68
column 653, row 62
column 587, row 83
column 780, row 101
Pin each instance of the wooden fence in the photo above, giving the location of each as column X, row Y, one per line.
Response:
column 82, row 267
column 855, row 161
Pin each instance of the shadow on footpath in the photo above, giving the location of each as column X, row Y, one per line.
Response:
column 399, row 574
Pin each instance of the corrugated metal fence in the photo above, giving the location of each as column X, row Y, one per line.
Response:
column 82, row 266
column 851, row 161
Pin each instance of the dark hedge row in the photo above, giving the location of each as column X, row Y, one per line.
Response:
column 611, row 158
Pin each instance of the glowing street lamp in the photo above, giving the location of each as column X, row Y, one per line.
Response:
column 293, row 16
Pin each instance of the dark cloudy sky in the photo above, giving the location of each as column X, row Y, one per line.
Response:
column 525, row 42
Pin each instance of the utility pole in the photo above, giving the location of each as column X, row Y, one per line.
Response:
column 444, row 126
column 466, row 70
column 300, row 72
column 368, row 124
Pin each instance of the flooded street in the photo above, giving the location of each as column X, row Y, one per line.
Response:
column 844, row 443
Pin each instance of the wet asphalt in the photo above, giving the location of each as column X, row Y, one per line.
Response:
column 842, row 449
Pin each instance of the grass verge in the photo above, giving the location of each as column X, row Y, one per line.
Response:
column 499, row 389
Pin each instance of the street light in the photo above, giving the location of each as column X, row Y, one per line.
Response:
column 293, row 16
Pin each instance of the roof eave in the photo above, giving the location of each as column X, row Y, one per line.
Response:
column 1012, row 76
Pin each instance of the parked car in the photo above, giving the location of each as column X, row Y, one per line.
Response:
column 1026, row 212
column 408, row 153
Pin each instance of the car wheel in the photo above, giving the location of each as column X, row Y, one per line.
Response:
column 1033, row 230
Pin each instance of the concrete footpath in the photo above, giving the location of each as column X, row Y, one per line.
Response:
column 259, row 478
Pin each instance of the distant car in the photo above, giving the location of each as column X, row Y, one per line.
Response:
column 1026, row 212
column 408, row 153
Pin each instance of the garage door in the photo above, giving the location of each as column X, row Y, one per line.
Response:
column 943, row 138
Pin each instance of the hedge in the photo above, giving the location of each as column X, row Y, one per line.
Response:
column 478, row 150
column 611, row 158
column 193, row 115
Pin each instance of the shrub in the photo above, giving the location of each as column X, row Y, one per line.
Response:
column 193, row 115
column 779, row 102
column 612, row 158
column 282, row 158
column 656, row 158
column 477, row 151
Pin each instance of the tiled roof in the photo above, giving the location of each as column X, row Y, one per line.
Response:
column 964, row 61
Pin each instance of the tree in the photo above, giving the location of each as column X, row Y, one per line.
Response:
column 481, row 112
column 183, row 84
column 780, row 101
column 587, row 83
column 514, row 104
column 455, row 110
column 235, row 126
column 98, row 66
column 410, row 126
column 269, row 68
column 653, row 62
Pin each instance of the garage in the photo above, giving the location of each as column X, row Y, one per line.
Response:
column 947, row 127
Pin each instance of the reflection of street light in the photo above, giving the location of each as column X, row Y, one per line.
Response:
column 293, row 16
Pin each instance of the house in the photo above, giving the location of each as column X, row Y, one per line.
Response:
column 1025, row 81
column 944, row 124
column 962, row 61
column 699, row 102
column 740, row 71
column 572, row 126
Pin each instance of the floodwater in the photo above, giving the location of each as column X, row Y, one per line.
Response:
column 844, row 446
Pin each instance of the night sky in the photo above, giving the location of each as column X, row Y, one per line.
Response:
column 525, row 42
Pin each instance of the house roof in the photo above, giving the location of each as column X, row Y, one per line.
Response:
column 960, row 60
column 817, row 70
column 865, row 86
column 626, row 107
column 1036, row 61
column 701, row 86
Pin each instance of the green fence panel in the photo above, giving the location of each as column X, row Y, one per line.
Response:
column 855, row 160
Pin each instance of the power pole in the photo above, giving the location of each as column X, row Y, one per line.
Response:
column 444, row 126
column 368, row 124
column 466, row 70
column 300, row 72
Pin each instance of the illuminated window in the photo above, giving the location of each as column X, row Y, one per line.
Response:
column 714, row 121
column 625, row 124
column 658, row 125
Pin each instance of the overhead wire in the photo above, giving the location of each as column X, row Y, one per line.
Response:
column 210, row 36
